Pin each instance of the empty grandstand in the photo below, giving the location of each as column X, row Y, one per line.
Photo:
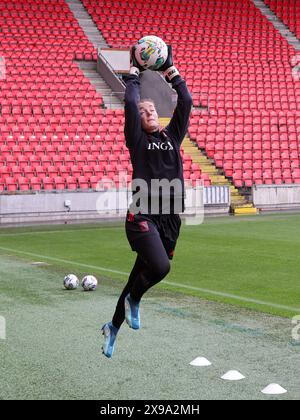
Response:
column 57, row 132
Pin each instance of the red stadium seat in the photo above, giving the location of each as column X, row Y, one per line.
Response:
column 23, row 184
column 35, row 183
column 11, row 184
column 71, row 183
column 48, row 183
column 83, row 182
column 59, row 183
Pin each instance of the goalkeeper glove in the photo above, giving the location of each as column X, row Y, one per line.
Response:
column 168, row 69
column 135, row 67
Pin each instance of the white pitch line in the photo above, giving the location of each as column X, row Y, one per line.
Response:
column 229, row 295
column 30, row 254
column 44, row 232
column 181, row 286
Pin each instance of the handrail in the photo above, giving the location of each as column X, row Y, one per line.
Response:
column 109, row 66
column 114, row 93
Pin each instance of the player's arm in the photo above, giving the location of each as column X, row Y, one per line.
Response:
column 133, row 126
column 179, row 123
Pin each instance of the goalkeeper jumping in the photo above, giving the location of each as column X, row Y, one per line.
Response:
column 155, row 155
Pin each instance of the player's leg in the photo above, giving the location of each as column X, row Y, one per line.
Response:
column 111, row 329
column 151, row 266
column 110, row 334
column 119, row 315
column 156, row 266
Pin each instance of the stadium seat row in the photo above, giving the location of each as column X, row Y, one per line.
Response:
column 288, row 11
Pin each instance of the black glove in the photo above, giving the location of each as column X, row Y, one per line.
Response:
column 169, row 61
column 168, row 68
column 135, row 67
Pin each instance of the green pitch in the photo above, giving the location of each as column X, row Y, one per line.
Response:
column 52, row 347
column 252, row 263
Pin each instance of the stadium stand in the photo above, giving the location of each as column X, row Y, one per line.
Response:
column 54, row 130
column 288, row 11
column 231, row 54
column 50, row 114
column 43, row 89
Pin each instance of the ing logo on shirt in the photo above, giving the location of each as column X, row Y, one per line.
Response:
column 160, row 146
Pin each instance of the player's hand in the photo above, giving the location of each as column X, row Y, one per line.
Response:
column 169, row 61
column 168, row 68
column 135, row 67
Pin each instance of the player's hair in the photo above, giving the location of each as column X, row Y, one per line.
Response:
column 142, row 101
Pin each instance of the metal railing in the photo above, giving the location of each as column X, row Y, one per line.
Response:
column 114, row 95
column 107, row 63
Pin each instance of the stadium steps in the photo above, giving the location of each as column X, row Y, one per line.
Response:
column 278, row 24
column 86, row 23
column 111, row 101
column 239, row 204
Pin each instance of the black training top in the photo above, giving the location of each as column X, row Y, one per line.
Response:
column 156, row 156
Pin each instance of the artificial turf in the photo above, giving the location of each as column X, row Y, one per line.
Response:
column 252, row 263
column 52, row 347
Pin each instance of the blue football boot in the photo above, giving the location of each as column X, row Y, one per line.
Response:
column 132, row 313
column 110, row 334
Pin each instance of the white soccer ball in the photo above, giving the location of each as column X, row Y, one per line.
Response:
column 89, row 283
column 71, row 282
column 151, row 52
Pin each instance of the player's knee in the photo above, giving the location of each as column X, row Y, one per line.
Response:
column 163, row 269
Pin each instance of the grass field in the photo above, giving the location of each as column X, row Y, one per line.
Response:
column 52, row 348
column 252, row 263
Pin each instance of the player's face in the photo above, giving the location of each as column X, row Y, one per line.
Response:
column 149, row 117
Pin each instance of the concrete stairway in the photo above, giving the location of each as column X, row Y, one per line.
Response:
column 89, row 69
column 239, row 204
column 111, row 101
column 86, row 23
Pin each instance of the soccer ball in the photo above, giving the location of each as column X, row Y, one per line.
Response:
column 151, row 52
column 89, row 283
column 71, row 282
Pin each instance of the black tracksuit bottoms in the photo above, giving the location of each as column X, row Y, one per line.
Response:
column 154, row 239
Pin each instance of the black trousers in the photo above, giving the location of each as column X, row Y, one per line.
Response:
column 154, row 239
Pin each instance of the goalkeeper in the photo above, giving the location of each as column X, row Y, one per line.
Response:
column 155, row 155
